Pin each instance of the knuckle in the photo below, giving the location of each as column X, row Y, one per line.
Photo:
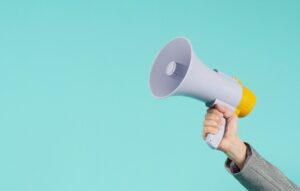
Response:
column 214, row 123
column 213, row 130
column 234, row 116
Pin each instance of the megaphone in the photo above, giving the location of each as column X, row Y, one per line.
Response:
column 177, row 71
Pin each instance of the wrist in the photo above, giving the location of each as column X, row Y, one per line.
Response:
column 237, row 152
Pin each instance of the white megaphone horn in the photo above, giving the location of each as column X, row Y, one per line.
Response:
column 177, row 71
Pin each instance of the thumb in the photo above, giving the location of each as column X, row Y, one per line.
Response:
column 227, row 113
column 231, row 119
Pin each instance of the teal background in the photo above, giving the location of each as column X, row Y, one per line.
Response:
column 76, row 112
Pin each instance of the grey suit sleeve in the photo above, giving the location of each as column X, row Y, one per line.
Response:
column 259, row 175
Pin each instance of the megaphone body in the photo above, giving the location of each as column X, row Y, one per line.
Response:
column 178, row 71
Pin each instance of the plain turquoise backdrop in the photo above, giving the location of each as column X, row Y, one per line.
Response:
column 76, row 111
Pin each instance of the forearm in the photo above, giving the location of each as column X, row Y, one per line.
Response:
column 237, row 152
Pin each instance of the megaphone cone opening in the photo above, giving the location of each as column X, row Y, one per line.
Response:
column 170, row 67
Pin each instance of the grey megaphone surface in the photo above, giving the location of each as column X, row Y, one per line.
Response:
column 170, row 67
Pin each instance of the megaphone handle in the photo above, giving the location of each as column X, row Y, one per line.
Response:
column 214, row 140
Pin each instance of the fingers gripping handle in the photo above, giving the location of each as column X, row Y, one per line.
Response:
column 214, row 140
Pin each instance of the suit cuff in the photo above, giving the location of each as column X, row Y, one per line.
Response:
column 259, row 174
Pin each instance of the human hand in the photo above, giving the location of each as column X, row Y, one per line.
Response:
column 231, row 143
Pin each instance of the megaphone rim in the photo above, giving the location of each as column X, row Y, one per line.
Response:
column 155, row 58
